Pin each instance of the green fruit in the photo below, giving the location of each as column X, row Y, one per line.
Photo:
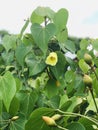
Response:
column 88, row 59
column 87, row 80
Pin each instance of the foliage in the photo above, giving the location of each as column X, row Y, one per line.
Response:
column 39, row 78
column 3, row 33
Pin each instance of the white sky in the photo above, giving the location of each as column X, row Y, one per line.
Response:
column 82, row 22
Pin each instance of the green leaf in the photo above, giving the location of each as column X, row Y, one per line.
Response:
column 54, row 102
column 70, row 89
column 7, row 89
column 9, row 42
column 75, row 126
column 28, row 39
column 84, row 66
column 35, row 65
column 62, row 35
column 0, row 106
column 14, row 106
column 70, row 104
column 79, row 86
column 87, row 123
column 51, row 88
column 1, row 47
column 4, row 117
column 44, row 12
column 71, row 63
column 8, row 57
column 95, row 85
column 75, row 101
column 41, row 102
column 66, row 105
column 39, row 14
column 59, row 69
column 19, row 124
column 21, row 51
column 96, row 61
column 35, row 18
column 95, row 44
column 70, row 46
column 69, row 76
column 60, row 19
column 91, row 103
column 18, row 84
column 27, row 101
column 78, row 82
column 35, row 121
column 64, row 99
column 42, row 35
column 84, row 44
column 80, row 54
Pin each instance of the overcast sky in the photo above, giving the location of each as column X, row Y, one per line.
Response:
column 82, row 22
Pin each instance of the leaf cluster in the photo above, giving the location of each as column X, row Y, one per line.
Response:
column 30, row 89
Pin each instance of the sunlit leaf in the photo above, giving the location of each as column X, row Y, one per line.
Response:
column 35, row 65
column 87, row 124
column 27, row 101
column 84, row 66
column 21, row 51
column 36, row 122
column 69, row 76
column 9, row 42
column 95, row 44
column 51, row 88
column 70, row 46
column 76, row 126
column 35, row 18
column 42, row 35
column 14, row 106
column 7, row 89
column 60, row 19
column 84, row 44
column 62, row 35
column 44, row 11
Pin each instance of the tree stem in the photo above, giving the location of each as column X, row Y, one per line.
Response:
column 91, row 91
column 60, row 127
column 93, row 69
column 77, row 114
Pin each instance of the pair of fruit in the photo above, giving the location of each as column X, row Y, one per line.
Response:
column 87, row 79
column 51, row 120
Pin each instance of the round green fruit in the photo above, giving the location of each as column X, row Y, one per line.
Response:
column 87, row 80
column 88, row 59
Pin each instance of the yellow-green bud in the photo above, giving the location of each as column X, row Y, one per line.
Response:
column 87, row 80
column 88, row 59
column 14, row 118
column 56, row 117
column 49, row 121
column 58, row 83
